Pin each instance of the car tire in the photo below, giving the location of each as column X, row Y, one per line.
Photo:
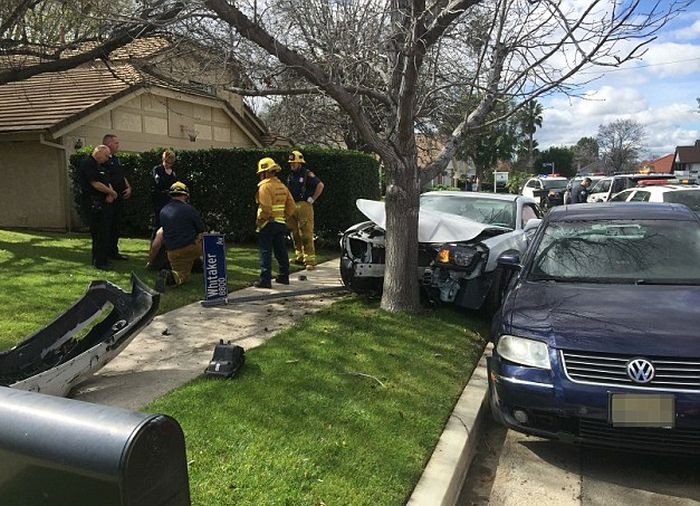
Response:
column 352, row 283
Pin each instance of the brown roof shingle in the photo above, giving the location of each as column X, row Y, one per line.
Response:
column 47, row 100
column 688, row 154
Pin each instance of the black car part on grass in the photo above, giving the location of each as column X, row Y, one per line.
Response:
column 93, row 331
column 227, row 360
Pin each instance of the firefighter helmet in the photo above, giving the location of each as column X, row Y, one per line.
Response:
column 296, row 157
column 266, row 164
column 179, row 188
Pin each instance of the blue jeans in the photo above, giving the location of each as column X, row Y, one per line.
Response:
column 272, row 239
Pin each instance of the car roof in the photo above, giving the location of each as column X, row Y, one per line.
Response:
column 510, row 197
column 554, row 178
column 669, row 188
column 621, row 211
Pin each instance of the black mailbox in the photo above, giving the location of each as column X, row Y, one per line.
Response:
column 56, row 451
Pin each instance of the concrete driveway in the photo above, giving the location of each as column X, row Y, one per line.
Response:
column 513, row 469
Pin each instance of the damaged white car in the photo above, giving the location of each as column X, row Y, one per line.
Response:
column 460, row 234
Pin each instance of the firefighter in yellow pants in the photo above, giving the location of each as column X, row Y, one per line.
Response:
column 305, row 188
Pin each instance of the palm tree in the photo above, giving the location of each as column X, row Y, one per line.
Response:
column 530, row 120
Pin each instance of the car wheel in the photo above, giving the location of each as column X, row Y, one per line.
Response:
column 357, row 285
column 346, row 272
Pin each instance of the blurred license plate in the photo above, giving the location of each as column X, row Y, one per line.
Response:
column 642, row 410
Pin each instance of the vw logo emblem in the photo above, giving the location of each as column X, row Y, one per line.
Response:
column 640, row 370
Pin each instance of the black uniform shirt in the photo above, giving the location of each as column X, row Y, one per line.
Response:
column 301, row 185
column 181, row 224
column 115, row 175
column 161, row 184
column 91, row 171
column 579, row 194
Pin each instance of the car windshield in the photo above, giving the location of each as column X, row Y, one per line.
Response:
column 601, row 186
column 554, row 184
column 619, row 251
column 690, row 198
column 483, row 210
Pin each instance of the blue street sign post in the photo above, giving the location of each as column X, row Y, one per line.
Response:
column 215, row 280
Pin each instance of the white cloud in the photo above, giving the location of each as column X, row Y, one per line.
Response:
column 565, row 121
column 672, row 59
column 688, row 32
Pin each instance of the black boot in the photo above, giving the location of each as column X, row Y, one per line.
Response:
column 262, row 283
column 282, row 279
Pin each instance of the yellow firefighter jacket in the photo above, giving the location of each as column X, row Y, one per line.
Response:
column 275, row 203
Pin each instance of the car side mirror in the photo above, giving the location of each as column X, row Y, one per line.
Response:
column 532, row 224
column 510, row 260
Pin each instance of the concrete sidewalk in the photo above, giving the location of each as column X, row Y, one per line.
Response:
column 177, row 346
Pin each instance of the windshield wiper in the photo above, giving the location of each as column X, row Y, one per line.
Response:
column 674, row 282
column 573, row 279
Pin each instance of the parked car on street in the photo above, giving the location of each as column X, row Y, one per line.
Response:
column 678, row 193
column 547, row 190
column 597, row 338
column 605, row 188
column 460, row 237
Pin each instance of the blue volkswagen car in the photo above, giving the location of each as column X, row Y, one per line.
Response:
column 598, row 337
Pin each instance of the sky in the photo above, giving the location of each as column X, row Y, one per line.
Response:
column 659, row 91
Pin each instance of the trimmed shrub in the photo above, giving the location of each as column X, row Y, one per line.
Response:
column 223, row 182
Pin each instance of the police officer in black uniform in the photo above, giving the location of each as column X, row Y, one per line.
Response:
column 120, row 184
column 579, row 192
column 98, row 198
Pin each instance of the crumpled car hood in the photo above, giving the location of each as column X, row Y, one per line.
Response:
column 433, row 226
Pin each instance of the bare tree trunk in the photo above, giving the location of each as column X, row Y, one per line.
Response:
column 401, row 290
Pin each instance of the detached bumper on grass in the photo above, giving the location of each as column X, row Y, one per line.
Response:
column 93, row 331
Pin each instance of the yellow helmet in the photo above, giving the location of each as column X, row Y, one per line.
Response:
column 266, row 164
column 296, row 157
column 179, row 188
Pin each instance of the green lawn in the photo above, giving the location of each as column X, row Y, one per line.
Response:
column 341, row 409
column 42, row 274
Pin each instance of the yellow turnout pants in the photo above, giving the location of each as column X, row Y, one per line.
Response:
column 302, row 228
column 182, row 260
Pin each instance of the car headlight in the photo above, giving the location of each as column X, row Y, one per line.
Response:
column 524, row 351
column 456, row 255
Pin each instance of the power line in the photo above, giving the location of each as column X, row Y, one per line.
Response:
column 643, row 66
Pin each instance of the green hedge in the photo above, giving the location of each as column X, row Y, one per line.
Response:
column 222, row 185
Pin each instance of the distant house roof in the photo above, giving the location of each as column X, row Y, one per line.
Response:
column 663, row 165
column 688, row 154
column 48, row 101
column 595, row 167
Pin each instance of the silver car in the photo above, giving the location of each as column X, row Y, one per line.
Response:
column 460, row 234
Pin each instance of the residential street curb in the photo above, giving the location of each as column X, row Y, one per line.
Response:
column 442, row 478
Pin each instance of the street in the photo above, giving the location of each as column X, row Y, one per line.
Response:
column 513, row 469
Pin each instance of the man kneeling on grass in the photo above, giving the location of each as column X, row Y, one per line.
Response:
column 182, row 236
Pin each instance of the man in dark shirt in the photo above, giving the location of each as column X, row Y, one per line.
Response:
column 182, row 236
column 305, row 188
column 98, row 198
column 116, row 177
column 579, row 192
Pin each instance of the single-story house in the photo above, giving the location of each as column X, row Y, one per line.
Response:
column 663, row 165
column 142, row 95
column 686, row 161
